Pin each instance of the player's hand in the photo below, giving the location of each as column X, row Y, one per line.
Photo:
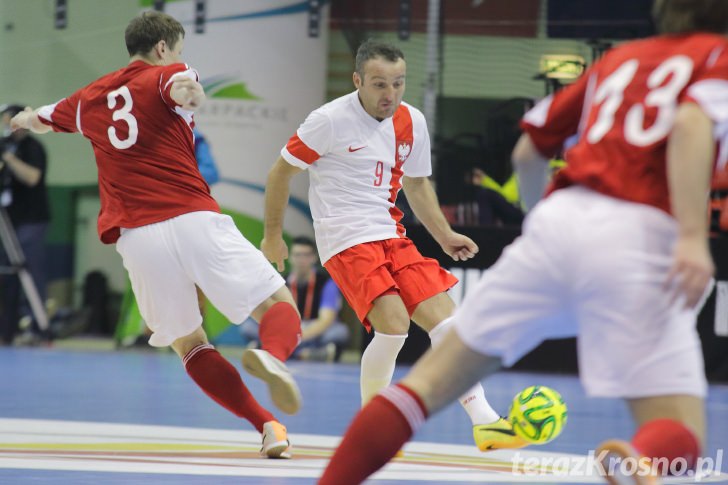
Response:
column 458, row 246
column 22, row 119
column 276, row 251
column 187, row 92
column 692, row 269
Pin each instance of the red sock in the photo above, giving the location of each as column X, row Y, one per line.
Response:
column 666, row 439
column 280, row 330
column 377, row 433
column 219, row 379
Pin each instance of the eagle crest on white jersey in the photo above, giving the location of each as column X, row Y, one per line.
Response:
column 403, row 151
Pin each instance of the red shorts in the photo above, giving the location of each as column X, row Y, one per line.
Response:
column 367, row 271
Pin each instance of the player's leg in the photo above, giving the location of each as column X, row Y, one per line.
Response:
column 490, row 431
column 362, row 274
column 515, row 305
column 168, row 302
column 648, row 348
column 423, row 286
column 441, row 375
column 687, row 409
column 240, row 282
column 670, row 432
column 390, row 321
column 279, row 324
column 217, row 378
column 279, row 333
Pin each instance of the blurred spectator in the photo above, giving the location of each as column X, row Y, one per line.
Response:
column 24, row 195
column 492, row 207
column 319, row 302
column 205, row 160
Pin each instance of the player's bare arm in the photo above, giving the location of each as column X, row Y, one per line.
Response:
column 276, row 199
column 690, row 152
column 188, row 93
column 423, row 200
column 29, row 120
column 531, row 169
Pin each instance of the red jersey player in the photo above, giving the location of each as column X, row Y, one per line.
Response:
column 158, row 210
column 360, row 150
column 617, row 254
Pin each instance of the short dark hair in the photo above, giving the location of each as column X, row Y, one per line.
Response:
column 11, row 109
column 148, row 28
column 684, row 16
column 304, row 241
column 372, row 49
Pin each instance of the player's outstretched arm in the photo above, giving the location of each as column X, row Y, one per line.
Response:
column 690, row 154
column 531, row 169
column 187, row 92
column 28, row 119
column 423, row 200
column 277, row 190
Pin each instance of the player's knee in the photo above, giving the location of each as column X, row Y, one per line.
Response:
column 393, row 326
column 282, row 295
column 183, row 345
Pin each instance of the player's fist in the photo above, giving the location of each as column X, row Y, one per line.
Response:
column 275, row 250
column 22, row 120
column 458, row 246
column 187, row 92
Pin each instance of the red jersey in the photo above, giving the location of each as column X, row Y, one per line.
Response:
column 622, row 111
column 143, row 145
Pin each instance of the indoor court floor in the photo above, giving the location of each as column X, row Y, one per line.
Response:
column 93, row 417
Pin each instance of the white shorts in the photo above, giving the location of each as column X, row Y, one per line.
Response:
column 592, row 266
column 167, row 259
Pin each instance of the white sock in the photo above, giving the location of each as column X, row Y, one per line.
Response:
column 377, row 364
column 473, row 400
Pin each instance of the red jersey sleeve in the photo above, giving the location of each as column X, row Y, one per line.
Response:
column 167, row 78
column 556, row 117
column 63, row 116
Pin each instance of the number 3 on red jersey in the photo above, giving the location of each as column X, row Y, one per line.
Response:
column 662, row 95
column 122, row 114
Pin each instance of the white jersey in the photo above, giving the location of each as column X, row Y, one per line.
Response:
column 356, row 165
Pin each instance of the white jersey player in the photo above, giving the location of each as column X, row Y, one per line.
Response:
column 360, row 150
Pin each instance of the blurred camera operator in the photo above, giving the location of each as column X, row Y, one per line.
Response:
column 23, row 195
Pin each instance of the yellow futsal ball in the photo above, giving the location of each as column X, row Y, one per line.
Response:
column 538, row 414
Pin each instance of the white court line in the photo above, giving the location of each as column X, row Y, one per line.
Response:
column 131, row 448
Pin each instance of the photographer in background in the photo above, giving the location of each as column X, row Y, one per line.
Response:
column 23, row 194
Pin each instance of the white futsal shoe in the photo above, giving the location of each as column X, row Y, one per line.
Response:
column 283, row 389
column 275, row 441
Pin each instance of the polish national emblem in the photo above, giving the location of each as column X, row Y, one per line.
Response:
column 403, row 150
